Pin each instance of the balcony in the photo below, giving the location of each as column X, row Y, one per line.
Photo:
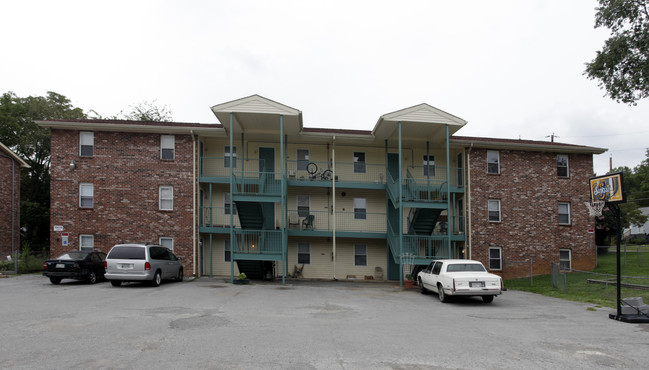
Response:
column 348, row 224
column 257, row 244
column 351, row 175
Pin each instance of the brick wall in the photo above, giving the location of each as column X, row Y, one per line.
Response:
column 126, row 172
column 530, row 190
column 9, row 205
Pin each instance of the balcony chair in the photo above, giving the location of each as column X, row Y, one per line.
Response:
column 293, row 221
column 307, row 223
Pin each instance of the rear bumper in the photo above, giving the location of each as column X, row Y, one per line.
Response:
column 134, row 276
column 473, row 292
column 66, row 274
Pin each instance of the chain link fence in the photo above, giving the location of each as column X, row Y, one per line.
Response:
column 24, row 262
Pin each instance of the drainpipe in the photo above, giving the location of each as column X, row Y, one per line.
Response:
column 468, row 201
column 194, row 257
column 333, row 196
column 232, row 242
column 448, row 192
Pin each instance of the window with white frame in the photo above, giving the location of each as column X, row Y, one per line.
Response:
column 166, row 198
column 302, row 159
column 226, row 204
column 360, row 208
column 303, row 205
column 230, row 155
column 359, row 162
column 565, row 257
column 86, row 195
column 360, row 254
column 493, row 161
column 303, row 253
column 562, row 165
column 166, row 241
column 227, row 250
column 167, row 147
column 429, row 165
column 564, row 213
column 86, row 143
column 494, row 210
column 86, row 243
column 495, row 258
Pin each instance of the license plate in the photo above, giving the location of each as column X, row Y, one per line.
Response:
column 126, row 266
column 476, row 284
column 60, row 265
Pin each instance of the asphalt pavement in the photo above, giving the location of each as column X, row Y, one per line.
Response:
column 209, row 323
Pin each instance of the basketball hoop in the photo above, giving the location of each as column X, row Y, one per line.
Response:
column 595, row 207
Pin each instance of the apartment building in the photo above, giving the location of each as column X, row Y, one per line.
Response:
column 262, row 194
column 10, row 166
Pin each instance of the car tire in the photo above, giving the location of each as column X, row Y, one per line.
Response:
column 91, row 278
column 180, row 275
column 442, row 296
column 157, row 279
column 55, row 280
column 487, row 298
column 115, row 282
column 422, row 290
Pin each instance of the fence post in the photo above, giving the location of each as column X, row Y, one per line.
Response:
column 531, row 271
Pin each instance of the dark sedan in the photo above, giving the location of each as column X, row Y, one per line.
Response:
column 78, row 265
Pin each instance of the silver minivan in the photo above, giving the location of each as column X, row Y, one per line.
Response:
column 142, row 262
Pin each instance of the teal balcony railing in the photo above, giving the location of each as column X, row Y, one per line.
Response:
column 360, row 172
column 423, row 246
column 257, row 241
column 257, row 183
column 217, row 217
column 368, row 222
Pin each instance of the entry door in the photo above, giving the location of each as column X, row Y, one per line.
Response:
column 393, row 165
column 266, row 160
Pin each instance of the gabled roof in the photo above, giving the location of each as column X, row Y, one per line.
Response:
column 134, row 126
column 14, row 156
column 497, row 143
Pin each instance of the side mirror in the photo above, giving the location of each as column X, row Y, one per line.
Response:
column 178, row 258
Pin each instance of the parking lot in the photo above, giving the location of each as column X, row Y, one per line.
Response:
column 209, row 323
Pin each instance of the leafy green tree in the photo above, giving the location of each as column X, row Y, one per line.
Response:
column 145, row 111
column 622, row 66
column 31, row 142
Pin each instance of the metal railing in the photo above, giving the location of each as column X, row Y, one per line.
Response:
column 257, row 241
column 217, row 217
column 370, row 222
column 257, row 183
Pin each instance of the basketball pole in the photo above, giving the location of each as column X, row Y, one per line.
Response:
column 616, row 211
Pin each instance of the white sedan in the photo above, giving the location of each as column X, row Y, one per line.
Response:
column 459, row 278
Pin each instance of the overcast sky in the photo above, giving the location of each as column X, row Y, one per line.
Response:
column 510, row 68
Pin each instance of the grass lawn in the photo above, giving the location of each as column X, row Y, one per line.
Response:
column 574, row 286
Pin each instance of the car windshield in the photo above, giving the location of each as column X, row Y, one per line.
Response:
column 465, row 267
column 72, row 256
column 127, row 253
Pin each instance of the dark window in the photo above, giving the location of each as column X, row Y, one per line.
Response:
column 437, row 268
column 429, row 165
column 495, row 259
column 302, row 159
column 227, row 250
column 303, row 253
column 493, row 161
column 359, row 162
column 360, row 255
column 562, row 165
column 127, row 253
column 159, row 253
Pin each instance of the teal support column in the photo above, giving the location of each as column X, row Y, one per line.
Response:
column 283, row 213
column 428, row 189
column 211, row 205
column 211, row 263
column 232, row 243
column 448, row 192
column 400, row 211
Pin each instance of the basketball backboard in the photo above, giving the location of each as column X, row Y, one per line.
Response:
column 607, row 188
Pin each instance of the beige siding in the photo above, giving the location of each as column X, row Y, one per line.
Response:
column 216, row 265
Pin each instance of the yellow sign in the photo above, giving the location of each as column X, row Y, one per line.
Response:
column 607, row 188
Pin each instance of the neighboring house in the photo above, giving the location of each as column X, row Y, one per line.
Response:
column 640, row 230
column 262, row 194
column 10, row 165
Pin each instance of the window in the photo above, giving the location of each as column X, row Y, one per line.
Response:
column 562, row 165
column 226, row 250
column 493, row 161
column 302, row 159
column 227, row 155
column 429, row 165
column 86, row 195
column 360, row 255
column 564, row 213
column 494, row 210
column 167, row 147
column 303, row 202
column 226, row 204
column 437, row 268
column 359, row 162
column 86, row 143
column 360, row 209
column 564, row 259
column 303, row 253
column 86, row 243
column 166, row 241
column 166, row 198
column 495, row 258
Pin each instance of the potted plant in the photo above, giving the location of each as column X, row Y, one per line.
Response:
column 409, row 281
column 241, row 279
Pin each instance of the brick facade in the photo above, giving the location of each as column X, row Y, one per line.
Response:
column 9, row 207
column 530, row 190
column 126, row 172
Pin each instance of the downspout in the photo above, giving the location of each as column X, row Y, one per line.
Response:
column 468, row 200
column 232, row 243
column 194, row 249
column 448, row 193
column 333, row 196
column 284, row 195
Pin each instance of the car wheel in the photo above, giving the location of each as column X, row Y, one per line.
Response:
column 422, row 290
column 115, row 282
column 91, row 278
column 487, row 298
column 157, row 279
column 55, row 280
column 180, row 275
column 442, row 296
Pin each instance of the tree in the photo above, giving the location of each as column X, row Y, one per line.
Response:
column 145, row 111
column 31, row 142
column 622, row 66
